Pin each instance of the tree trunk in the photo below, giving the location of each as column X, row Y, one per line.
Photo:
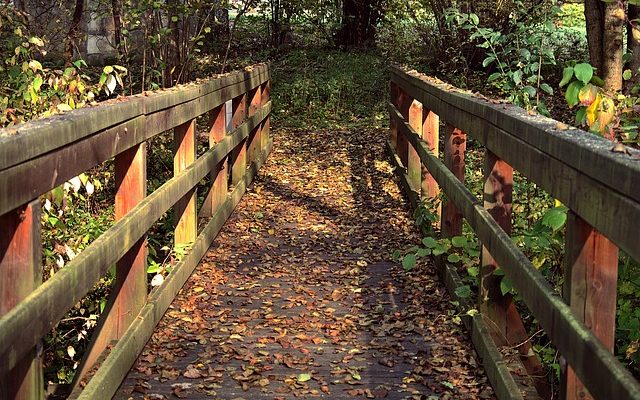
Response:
column 116, row 10
column 71, row 42
column 359, row 20
column 612, row 64
column 594, row 17
column 633, row 44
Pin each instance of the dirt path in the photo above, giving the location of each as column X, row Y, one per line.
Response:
column 298, row 296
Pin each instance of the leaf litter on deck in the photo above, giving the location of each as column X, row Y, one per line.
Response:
column 298, row 296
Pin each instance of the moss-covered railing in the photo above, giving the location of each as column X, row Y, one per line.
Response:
column 38, row 156
column 600, row 187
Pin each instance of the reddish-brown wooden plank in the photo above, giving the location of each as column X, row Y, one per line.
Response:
column 219, row 176
column 185, row 209
column 505, row 322
column 414, row 167
column 130, row 290
column 254, row 140
column 265, row 97
column 431, row 135
column 20, row 273
column 590, row 284
column 455, row 145
column 239, row 154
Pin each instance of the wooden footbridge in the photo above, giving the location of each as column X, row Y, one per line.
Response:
column 295, row 295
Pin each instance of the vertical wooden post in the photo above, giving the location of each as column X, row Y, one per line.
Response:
column 431, row 136
column 184, row 139
column 219, row 176
column 254, row 140
column 264, row 98
column 498, row 187
column 506, row 325
column 130, row 290
column 239, row 154
column 20, row 274
column 402, row 149
column 414, row 166
column 455, row 145
column 590, row 284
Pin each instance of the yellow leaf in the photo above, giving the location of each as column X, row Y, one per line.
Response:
column 607, row 113
column 588, row 94
column 592, row 110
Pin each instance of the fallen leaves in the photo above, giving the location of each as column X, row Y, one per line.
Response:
column 298, row 296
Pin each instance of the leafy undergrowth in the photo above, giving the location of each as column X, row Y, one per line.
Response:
column 299, row 296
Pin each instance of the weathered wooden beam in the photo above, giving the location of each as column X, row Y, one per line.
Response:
column 582, row 151
column 185, row 211
column 53, row 169
column 254, row 140
column 455, row 145
column 564, row 179
column 129, row 293
column 431, row 136
column 35, row 138
column 265, row 98
column 220, row 174
column 114, row 369
column 23, row 326
column 414, row 167
column 239, row 154
column 506, row 325
column 20, row 274
column 602, row 373
column 590, row 288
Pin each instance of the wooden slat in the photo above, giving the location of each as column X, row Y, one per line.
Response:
column 431, row 136
column 238, row 158
column 106, row 381
column 414, row 168
column 265, row 98
column 20, row 274
column 219, row 176
column 568, row 184
column 455, row 144
column 590, row 288
column 254, row 140
column 130, row 290
column 603, row 374
column 185, row 211
column 498, row 188
column 506, row 325
column 41, row 310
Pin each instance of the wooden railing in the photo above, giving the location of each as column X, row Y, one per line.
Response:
column 600, row 187
column 38, row 156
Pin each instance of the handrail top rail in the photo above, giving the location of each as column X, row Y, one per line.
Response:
column 31, row 139
column 588, row 153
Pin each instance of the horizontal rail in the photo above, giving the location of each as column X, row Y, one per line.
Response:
column 36, row 138
column 531, row 144
column 42, row 309
column 73, row 142
column 602, row 373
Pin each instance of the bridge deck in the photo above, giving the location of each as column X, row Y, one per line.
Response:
column 298, row 297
